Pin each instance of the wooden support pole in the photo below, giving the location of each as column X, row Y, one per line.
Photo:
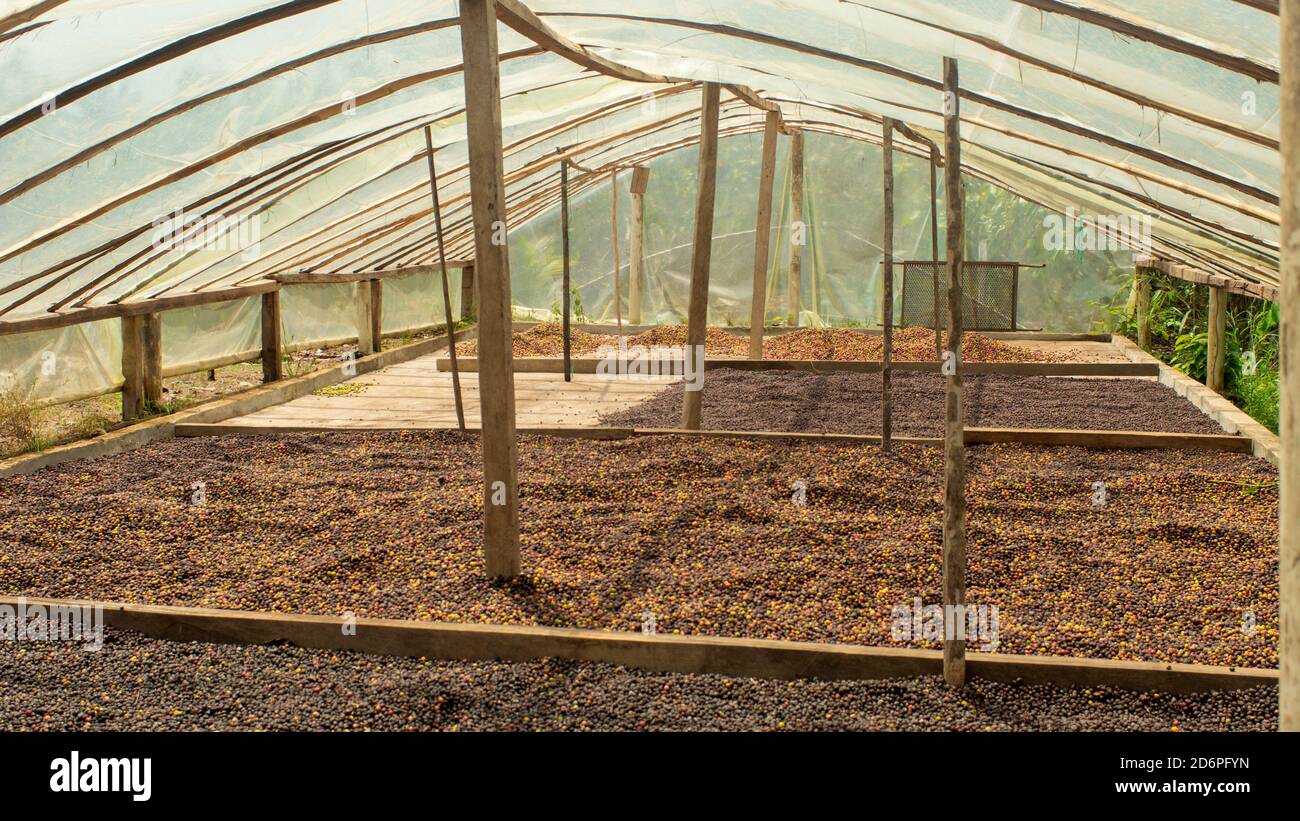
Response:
column 934, row 251
column 376, row 314
column 153, row 358
column 1215, row 354
column 1289, row 418
column 478, row 37
column 798, row 231
column 363, row 296
column 763, row 235
column 954, row 448
column 887, row 285
column 1144, row 311
column 701, row 256
column 272, row 345
column 564, row 280
column 613, row 238
column 446, row 287
column 467, row 300
column 640, row 180
column 132, row 367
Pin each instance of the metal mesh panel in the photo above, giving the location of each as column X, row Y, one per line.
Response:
column 988, row 294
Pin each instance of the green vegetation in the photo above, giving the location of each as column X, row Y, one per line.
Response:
column 1180, row 336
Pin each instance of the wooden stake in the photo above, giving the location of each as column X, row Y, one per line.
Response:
column 478, row 36
column 763, row 235
column 640, row 179
column 376, row 315
column 887, row 284
column 1215, row 356
column 701, row 255
column 954, row 448
column 153, row 360
column 1289, row 418
column 613, row 236
column 797, row 229
column 272, row 344
column 564, row 243
column 467, row 293
column 934, row 250
column 1144, row 311
column 132, row 367
column 446, row 287
column 363, row 296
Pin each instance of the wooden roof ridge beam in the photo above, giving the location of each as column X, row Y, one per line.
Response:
column 522, row 19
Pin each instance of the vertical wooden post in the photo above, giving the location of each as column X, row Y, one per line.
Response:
column 763, row 235
column 1144, row 311
column 887, row 285
column 467, row 293
column 446, row 287
column 153, row 356
column 363, row 298
column 1289, row 418
column 701, row 255
column 272, row 347
column 564, row 248
column 640, row 180
column 376, row 315
column 132, row 367
column 954, row 447
column 478, row 36
column 797, row 229
column 613, row 236
column 1215, row 352
column 934, row 250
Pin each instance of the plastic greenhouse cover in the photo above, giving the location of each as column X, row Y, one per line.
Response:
column 302, row 121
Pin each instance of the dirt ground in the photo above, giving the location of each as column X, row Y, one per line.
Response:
column 782, row 540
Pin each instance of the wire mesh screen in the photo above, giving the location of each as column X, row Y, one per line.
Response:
column 988, row 294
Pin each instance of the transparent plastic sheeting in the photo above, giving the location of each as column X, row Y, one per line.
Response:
column 85, row 360
column 841, row 256
column 308, row 127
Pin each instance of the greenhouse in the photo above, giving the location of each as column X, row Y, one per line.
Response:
column 776, row 364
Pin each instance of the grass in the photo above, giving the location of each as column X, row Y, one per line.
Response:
column 20, row 418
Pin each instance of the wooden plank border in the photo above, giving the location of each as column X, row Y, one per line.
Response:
column 758, row 658
column 1096, row 439
column 589, row 366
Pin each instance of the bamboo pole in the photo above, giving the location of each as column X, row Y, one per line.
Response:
column 887, row 286
column 763, row 235
column 478, row 35
column 954, row 448
column 1289, row 419
column 446, row 287
column 564, row 281
column 797, row 229
column 701, row 255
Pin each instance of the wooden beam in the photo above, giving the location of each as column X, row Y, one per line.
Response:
column 151, row 327
column 934, row 251
column 564, row 268
column 272, row 340
column 798, row 231
column 446, row 287
column 123, row 309
column 701, row 254
column 613, row 238
column 1190, row 273
column 640, row 180
column 1144, row 311
column 467, row 300
column 763, row 235
column 1289, row 415
column 887, row 285
column 132, row 367
column 954, row 448
column 478, row 32
column 376, row 314
column 1215, row 353
column 361, row 302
